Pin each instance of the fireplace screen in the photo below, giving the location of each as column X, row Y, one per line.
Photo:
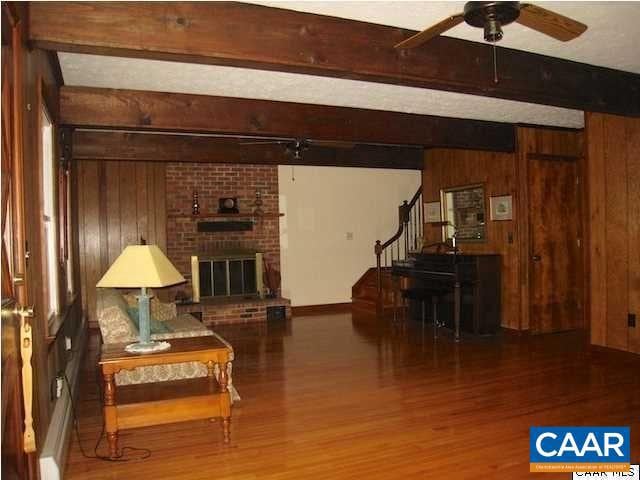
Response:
column 221, row 277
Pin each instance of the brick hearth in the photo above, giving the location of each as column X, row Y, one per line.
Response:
column 218, row 311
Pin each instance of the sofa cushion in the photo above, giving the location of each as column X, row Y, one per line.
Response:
column 156, row 326
column 109, row 297
column 184, row 325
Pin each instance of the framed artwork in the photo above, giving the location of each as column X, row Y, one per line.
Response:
column 432, row 212
column 501, row 207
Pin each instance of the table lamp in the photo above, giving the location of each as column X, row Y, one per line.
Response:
column 142, row 266
column 447, row 224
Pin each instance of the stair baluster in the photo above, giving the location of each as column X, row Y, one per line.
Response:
column 406, row 238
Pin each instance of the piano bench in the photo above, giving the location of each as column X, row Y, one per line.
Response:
column 422, row 294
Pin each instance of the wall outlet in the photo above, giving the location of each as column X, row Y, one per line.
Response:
column 349, row 235
column 631, row 319
column 67, row 343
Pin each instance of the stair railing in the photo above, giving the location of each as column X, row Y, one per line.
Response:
column 408, row 237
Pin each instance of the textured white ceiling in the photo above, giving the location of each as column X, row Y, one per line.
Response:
column 611, row 41
column 136, row 74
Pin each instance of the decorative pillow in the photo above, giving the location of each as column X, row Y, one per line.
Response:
column 159, row 311
column 156, row 326
column 163, row 311
column 116, row 326
column 131, row 300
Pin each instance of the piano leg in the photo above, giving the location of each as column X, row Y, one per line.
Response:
column 456, row 311
column 434, row 302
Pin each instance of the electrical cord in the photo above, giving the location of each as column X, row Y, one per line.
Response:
column 120, row 457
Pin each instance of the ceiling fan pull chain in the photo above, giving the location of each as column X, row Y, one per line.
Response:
column 293, row 174
column 495, row 65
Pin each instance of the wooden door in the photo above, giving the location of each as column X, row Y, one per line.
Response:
column 18, row 438
column 555, row 278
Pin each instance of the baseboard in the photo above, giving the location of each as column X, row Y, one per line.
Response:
column 323, row 309
column 53, row 456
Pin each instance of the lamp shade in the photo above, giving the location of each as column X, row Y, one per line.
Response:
column 141, row 266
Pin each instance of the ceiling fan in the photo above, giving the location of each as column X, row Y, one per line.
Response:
column 297, row 146
column 492, row 16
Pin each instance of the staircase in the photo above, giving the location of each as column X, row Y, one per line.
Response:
column 372, row 294
column 364, row 294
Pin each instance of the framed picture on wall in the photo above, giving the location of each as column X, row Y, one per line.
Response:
column 501, row 207
column 432, row 212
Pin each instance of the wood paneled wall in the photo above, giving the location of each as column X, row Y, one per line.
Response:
column 119, row 203
column 497, row 172
column 613, row 172
column 502, row 174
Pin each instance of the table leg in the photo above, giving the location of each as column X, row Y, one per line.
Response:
column 456, row 313
column 226, row 430
column 224, row 377
column 110, row 415
column 224, row 388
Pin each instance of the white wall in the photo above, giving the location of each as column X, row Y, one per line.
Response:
column 319, row 264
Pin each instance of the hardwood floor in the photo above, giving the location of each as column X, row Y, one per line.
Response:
column 330, row 397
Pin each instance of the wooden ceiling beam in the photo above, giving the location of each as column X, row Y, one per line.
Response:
column 245, row 35
column 142, row 110
column 130, row 146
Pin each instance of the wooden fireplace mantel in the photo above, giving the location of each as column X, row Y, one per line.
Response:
column 223, row 215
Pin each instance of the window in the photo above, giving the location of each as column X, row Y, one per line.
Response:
column 68, row 234
column 66, row 245
column 49, row 180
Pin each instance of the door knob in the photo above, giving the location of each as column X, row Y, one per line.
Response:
column 25, row 312
column 536, row 258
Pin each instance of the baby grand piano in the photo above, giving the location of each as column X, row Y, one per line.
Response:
column 467, row 284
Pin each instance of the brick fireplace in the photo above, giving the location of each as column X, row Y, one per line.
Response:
column 212, row 182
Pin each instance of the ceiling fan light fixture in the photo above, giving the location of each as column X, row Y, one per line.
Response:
column 492, row 31
column 493, row 15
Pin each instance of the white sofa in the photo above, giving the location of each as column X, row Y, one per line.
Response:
column 116, row 326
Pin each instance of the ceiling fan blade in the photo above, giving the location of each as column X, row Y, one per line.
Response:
column 550, row 23
column 268, row 142
column 331, row 144
column 426, row 35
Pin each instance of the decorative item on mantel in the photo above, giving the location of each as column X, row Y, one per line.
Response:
column 195, row 206
column 257, row 210
column 228, row 205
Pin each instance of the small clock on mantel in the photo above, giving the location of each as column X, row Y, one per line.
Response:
column 228, row 205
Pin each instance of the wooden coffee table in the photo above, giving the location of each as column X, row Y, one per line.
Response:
column 158, row 403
